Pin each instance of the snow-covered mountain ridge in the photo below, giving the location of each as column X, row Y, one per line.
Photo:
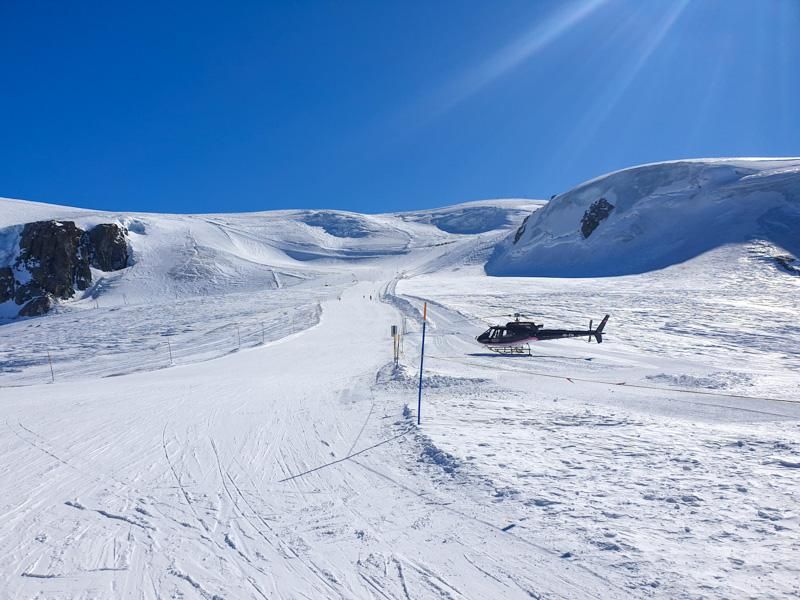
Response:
column 656, row 215
column 185, row 255
column 222, row 417
column 269, row 270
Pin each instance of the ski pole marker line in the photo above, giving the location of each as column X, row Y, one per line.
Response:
column 421, row 361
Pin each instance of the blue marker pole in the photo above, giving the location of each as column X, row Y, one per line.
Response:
column 421, row 360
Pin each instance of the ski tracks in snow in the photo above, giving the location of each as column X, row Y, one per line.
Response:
column 171, row 485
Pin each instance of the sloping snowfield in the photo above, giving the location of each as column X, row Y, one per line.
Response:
column 225, row 420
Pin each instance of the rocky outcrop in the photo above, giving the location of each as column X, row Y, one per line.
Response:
column 594, row 215
column 521, row 229
column 37, row 307
column 108, row 247
column 787, row 262
column 7, row 284
column 54, row 262
column 53, row 253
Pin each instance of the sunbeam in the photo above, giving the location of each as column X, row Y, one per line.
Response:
column 410, row 117
column 512, row 55
column 604, row 104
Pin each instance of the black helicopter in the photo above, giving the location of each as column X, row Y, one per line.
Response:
column 513, row 338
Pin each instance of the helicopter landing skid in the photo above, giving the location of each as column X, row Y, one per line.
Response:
column 511, row 350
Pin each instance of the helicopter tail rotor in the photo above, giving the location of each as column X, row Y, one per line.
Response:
column 598, row 333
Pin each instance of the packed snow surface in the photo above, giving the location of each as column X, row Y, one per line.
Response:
column 223, row 419
column 662, row 214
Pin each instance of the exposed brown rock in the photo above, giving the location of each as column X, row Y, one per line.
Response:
column 37, row 307
column 57, row 255
column 108, row 247
column 594, row 215
column 52, row 252
column 7, row 284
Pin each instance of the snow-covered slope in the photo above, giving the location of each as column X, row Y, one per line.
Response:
column 223, row 419
column 475, row 217
column 663, row 213
column 269, row 270
column 17, row 212
column 187, row 255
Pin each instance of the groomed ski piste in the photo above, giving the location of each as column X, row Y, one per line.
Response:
column 224, row 420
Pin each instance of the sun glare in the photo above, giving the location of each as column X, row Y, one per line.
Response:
column 505, row 60
column 604, row 103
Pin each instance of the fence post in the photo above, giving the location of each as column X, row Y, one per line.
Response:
column 52, row 373
column 238, row 338
column 262, row 333
column 169, row 347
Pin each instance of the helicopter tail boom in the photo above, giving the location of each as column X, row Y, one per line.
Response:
column 598, row 333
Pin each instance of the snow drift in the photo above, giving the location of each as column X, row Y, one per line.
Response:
column 476, row 217
column 652, row 216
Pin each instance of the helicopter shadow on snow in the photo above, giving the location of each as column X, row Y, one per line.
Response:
column 495, row 355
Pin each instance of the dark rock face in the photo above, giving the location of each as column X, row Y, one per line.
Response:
column 594, row 215
column 108, row 247
column 54, row 261
column 37, row 307
column 7, row 284
column 521, row 229
column 53, row 253
column 787, row 262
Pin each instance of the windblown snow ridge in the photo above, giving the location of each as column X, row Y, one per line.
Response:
column 652, row 216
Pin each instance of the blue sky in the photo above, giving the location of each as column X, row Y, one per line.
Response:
column 379, row 106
